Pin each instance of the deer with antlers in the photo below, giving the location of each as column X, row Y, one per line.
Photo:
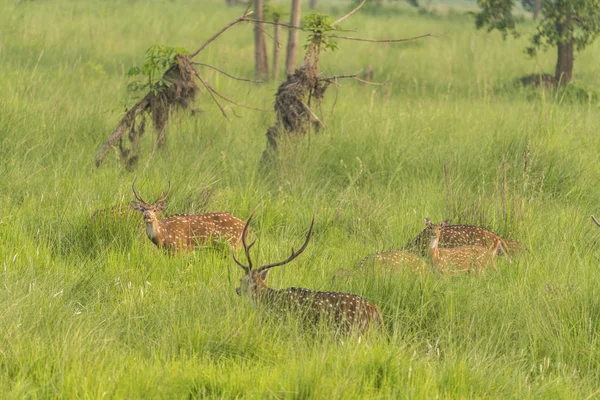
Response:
column 183, row 231
column 344, row 311
column 462, row 258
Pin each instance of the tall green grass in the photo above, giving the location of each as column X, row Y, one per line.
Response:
column 89, row 308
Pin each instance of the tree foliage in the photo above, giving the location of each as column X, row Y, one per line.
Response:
column 564, row 21
column 581, row 18
column 565, row 24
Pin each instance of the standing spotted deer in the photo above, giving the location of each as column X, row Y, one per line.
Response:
column 183, row 231
column 461, row 235
column 462, row 258
column 346, row 312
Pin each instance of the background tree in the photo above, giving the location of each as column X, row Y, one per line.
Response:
column 568, row 25
column 294, row 35
column 535, row 6
column 313, row 4
column 274, row 13
column 261, row 61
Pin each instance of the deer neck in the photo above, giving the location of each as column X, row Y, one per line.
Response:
column 435, row 251
column 260, row 292
column 155, row 231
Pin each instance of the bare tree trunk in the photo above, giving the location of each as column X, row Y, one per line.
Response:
column 564, row 62
column 261, row 61
column 537, row 7
column 276, row 29
column 292, row 47
column 313, row 4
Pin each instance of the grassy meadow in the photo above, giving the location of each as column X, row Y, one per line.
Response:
column 90, row 308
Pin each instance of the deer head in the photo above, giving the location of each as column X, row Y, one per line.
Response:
column 254, row 280
column 150, row 211
column 435, row 231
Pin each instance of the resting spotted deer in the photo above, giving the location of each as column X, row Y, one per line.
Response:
column 344, row 311
column 459, row 259
column 386, row 260
column 183, row 231
column 461, row 235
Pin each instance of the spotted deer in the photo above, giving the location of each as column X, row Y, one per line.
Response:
column 344, row 311
column 184, row 231
column 462, row 258
column 461, row 235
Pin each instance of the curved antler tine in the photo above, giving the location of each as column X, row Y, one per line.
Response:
column 137, row 196
column 294, row 253
column 595, row 221
column 245, row 268
column 245, row 241
column 164, row 195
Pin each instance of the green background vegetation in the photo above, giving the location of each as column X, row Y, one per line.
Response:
column 90, row 308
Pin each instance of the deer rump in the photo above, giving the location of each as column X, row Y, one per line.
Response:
column 343, row 310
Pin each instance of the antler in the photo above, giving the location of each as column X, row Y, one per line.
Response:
column 137, row 196
column 294, row 253
column 246, row 247
column 164, row 196
column 595, row 221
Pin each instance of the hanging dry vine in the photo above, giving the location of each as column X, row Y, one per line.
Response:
column 169, row 83
column 304, row 88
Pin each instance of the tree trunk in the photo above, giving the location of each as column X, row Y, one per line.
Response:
column 564, row 62
column 292, row 47
column 276, row 29
column 313, row 4
column 537, row 7
column 261, row 62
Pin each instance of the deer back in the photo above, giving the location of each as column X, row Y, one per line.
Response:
column 346, row 311
column 185, row 232
column 456, row 236
column 461, row 259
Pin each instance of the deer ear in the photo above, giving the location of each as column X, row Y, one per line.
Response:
column 263, row 275
column 446, row 222
column 161, row 205
column 427, row 222
column 137, row 206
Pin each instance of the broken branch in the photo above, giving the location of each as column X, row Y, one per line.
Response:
column 350, row 13
column 225, row 73
column 206, row 85
column 216, row 35
column 382, row 40
column 353, row 76
column 311, row 112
